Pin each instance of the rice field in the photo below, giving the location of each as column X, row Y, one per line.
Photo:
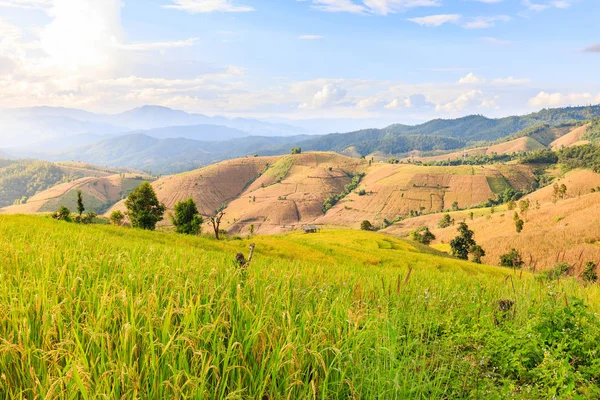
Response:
column 92, row 312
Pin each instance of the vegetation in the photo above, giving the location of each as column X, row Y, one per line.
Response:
column 333, row 199
column 478, row 253
column 80, row 206
column 445, row 221
column 143, row 208
column 215, row 221
column 366, row 226
column 587, row 156
column 117, row 217
column 186, row 219
column 296, row 150
column 589, row 272
column 423, row 235
column 20, row 179
column 98, row 312
column 464, row 243
column 512, row 259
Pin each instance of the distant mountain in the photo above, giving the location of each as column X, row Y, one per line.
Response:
column 38, row 125
column 150, row 117
column 209, row 133
column 171, row 155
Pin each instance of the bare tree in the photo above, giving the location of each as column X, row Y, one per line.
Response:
column 215, row 220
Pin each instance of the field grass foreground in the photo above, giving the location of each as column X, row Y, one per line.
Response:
column 106, row 312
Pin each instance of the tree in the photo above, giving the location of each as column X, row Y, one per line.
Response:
column 519, row 225
column 478, row 253
column 471, row 215
column 143, row 208
column 251, row 229
column 463, row 243
column 455, row 206
column 117, row 217
column 80, row 206
column 423, row 235
column 62, row 214
column 512, row 259
column 512, row 205
column 186, row 219
column 445, row 221
column 296, row 150
column 366, row 226
column 215, row 220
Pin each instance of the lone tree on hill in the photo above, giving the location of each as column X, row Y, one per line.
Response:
column 296, row 150
column 462, row 244
column 186, row 219
column 80, row 206
column 215, row 220
column 519, row 225
column 366, row 226
column 143, row 208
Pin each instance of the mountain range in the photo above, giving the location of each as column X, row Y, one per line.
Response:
column 169, row 141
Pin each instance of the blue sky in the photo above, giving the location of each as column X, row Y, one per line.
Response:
column 388, row 60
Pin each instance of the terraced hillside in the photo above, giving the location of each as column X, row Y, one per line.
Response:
column 558, row 230
column 280, row 194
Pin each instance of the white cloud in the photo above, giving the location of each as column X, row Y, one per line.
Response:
column 557, row 99
column 471, row 79
column 496, row 41
column 371, row 103
column 376, row 7
column 207, row 6
column 510, row 81
column 485, row 22
column 310, row 37
column 469, row 99
column 26, row 4
column 436, row 20
column 327, row 96
column 592, row 49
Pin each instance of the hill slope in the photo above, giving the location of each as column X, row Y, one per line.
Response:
column 561, row 231
column 341, row 314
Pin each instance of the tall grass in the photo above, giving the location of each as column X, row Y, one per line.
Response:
column 103, row 312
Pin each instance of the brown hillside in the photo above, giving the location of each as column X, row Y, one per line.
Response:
column 394, row 190
column 568, row 230
column 99, row 193
column 211, row 186
column 572, row 138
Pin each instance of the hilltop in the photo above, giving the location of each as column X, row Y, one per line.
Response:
column 280, row 194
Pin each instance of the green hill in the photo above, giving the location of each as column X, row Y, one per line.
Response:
column 107, row 312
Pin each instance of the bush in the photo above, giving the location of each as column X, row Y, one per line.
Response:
column 296, row 150
column 362, row 192
column 589, row 272
column 62, row 214
column 478, row 253
column 512, row 259
column 446, row 221
column 423, row 235
column 559, row 270
column 117, row 217
column 519, row 225
column 366, row 226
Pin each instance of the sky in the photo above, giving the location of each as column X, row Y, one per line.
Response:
column 392, row 60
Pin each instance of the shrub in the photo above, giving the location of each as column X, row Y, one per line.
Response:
column 366, row 226
column 117, row 217
column 423, row 235
column 589, row 272
column 362, row 192
column 519, row 225
column 556, row 272
column 296, row 150
column 62, row 214
column 512, row 259
column 445, row 221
